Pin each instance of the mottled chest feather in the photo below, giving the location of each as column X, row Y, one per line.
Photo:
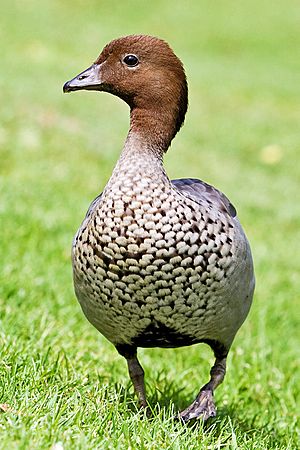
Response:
column 155, row 256
column 133, row 233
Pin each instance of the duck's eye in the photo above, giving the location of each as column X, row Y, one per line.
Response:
column 131, row 60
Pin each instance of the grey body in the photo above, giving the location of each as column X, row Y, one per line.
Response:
column 161, row 263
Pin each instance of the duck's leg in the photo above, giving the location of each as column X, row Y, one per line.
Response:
column 136, row 372
column 203, row 407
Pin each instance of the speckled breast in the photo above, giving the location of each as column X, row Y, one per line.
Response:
column 156, row 269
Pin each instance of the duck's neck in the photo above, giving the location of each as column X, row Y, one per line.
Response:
column 155, row 126
column 141, row 159
column 139, row 163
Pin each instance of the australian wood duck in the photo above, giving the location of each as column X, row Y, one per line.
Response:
column 158, row 263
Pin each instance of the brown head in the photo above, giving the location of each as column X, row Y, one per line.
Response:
column 146, row 74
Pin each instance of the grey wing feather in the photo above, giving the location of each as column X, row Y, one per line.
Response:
column 89, row 212
column 198, row 191
column 92, row 205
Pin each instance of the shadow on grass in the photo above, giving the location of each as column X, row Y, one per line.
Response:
column 172, row 399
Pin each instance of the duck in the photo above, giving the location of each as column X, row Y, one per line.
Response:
column 158, row 262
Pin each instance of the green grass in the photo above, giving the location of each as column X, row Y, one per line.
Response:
column 63, row 382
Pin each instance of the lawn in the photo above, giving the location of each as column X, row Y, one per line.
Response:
column 62, row 385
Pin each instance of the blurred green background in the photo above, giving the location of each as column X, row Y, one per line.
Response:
column 61, row 382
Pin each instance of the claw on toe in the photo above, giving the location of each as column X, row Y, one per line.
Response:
column 146, row 411
column 202, row 408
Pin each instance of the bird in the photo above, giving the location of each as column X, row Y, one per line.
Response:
column 158, row 262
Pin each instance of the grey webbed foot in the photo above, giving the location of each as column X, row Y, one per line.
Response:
column 201, row 408
column 204, row 406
